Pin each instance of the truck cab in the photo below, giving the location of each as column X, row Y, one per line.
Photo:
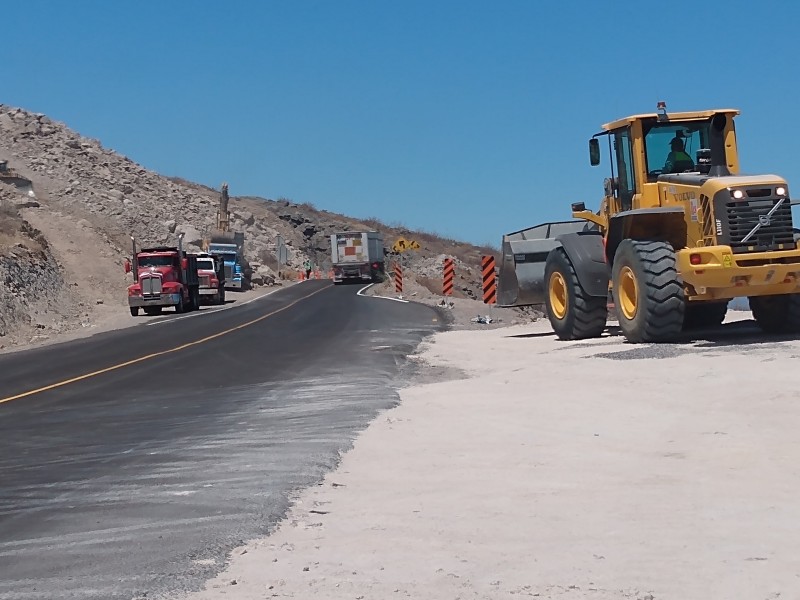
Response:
column 211, row 275
column 232, row 261
column 163, row 277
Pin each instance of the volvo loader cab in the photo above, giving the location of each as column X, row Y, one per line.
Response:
column 678, row 234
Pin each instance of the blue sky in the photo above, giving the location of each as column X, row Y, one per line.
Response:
column 466, row 118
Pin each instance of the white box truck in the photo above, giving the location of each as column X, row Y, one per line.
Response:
column 357, row 256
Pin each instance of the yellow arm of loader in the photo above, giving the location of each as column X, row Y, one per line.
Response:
column 588, row 215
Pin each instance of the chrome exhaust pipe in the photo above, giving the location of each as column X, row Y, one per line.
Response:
column 135, row 261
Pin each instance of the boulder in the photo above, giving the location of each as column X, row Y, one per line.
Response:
column 263, row 275
column 191, row 237
column 245, row 216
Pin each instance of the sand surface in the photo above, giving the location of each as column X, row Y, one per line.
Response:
column 538, row 468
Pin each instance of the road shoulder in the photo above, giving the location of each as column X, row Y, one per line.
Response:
column 592, row 469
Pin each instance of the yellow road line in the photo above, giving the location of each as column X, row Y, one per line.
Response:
column 155, row 354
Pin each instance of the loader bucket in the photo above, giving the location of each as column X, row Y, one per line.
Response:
column 521, row 280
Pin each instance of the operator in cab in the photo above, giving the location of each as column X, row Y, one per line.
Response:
column 678, row 160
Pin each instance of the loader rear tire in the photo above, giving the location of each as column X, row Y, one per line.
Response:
column 648, row 293
column 573, row 314
column 777, row 314
column 705, row 314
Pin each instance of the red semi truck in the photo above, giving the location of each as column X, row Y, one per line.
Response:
column 211, row 272
column 163, row 276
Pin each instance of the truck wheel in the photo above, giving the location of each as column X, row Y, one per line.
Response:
column 194, row 296
column 648, row 292
column 777, row 314
column 179, row 307
column 573, row 313
column 134, row 311
column 704, row 314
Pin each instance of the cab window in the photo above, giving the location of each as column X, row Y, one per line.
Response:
column 658, row 145
column 156, row 260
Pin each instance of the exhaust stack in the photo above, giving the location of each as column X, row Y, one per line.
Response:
column 719, row 162
column 135, row 261
column 182, row 258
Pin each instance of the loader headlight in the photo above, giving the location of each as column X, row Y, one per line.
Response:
column 738, row 194
column 781, row 191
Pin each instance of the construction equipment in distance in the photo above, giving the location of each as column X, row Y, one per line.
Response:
column 11, row 177
column 673, row 241
column 163, row 276
column 228, row 244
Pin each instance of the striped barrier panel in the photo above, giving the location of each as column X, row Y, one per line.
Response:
column 489, row 280
column 398, row 278
column 449, row 277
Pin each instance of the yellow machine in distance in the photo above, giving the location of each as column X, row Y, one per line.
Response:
column 678, row 234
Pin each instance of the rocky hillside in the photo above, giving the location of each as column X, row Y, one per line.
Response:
column 31, row 280
column 90, row 200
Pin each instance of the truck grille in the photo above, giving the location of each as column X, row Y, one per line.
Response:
column 228, row 273
column 151, row 286
column 774, row 231
column 205, row 281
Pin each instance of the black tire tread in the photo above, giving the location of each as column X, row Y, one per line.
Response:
column 663, row 293
column 590, row 313
column 777, row 314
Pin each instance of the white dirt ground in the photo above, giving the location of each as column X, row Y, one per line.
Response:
column 549, row 469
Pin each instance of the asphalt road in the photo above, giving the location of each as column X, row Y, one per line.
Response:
column 132, row 462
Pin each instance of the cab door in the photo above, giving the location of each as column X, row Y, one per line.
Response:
column 626, row 181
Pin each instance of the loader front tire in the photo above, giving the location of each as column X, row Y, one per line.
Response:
column 648, row 292
column 573, row 314
column 777, row 314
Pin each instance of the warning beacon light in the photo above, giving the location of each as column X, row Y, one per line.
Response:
column 661, row 107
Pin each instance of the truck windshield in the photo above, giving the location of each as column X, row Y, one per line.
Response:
column 156, row 261
column 205, row 264
column 671, row 147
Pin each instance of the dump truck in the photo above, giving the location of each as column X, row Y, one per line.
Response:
column 163, row 276
column 678, row 234
column 357, row 256
column 211, row 276
column 232, row 260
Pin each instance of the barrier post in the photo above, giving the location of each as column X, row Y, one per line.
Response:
column 488, row 278
column 448, row 277
column 398, row 277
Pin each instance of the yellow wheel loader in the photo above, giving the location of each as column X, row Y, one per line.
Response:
column 678, row 234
